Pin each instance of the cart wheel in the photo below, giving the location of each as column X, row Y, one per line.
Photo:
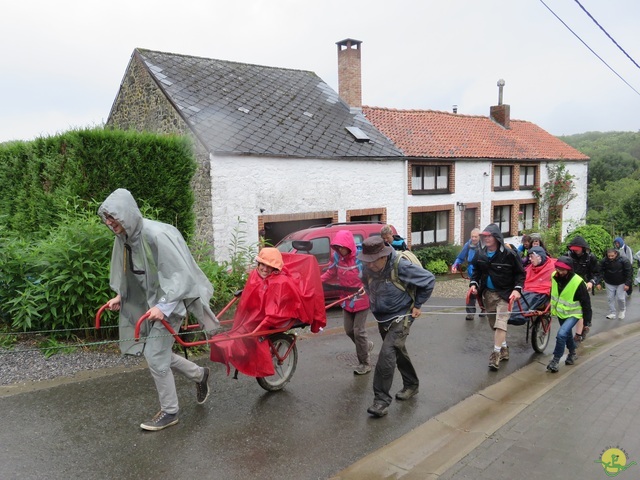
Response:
column 284, row 367
column 540, row 332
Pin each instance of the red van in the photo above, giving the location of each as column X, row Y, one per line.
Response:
column 321, row 237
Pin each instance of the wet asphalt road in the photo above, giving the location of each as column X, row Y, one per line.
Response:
column 312, row 429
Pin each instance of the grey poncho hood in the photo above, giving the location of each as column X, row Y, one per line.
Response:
column 151, row 264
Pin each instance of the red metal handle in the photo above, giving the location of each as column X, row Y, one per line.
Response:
column 136, row 332
column 99, row 314
column 359, row 292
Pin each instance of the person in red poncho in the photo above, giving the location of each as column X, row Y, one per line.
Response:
column 275, row 296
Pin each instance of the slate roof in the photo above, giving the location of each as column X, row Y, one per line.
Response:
column 434, row 134
column 251, row 109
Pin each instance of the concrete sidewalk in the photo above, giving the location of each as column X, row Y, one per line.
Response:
column 532, row 425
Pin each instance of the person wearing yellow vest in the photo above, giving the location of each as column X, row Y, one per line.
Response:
column 570, row 302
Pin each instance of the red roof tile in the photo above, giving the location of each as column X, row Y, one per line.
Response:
column 433, row 134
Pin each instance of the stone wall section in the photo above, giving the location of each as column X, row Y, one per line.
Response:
column 141, row 106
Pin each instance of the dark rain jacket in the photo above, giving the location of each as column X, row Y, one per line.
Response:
column 504, row 268
column 585, row 265
column 617, row 271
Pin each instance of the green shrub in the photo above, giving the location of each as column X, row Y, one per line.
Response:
column 37, row 177
column 437, row 267
column 58, row 282
column 446, row 253
column 596, row 236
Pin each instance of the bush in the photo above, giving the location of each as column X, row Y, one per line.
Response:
column 596, row 236
column 437, row 267
column 446, row 253
column 57, row 282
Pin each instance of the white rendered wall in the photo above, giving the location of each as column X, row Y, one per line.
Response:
column 241, row 186
column 473, row 184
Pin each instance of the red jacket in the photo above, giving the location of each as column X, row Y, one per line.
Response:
column 538, row 279
column 346, row 272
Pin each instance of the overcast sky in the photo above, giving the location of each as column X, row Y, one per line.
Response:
column 63, row 60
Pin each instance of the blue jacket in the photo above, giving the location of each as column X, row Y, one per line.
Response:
column 466, row 255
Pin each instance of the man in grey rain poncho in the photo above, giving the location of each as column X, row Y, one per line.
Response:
column 152, row 271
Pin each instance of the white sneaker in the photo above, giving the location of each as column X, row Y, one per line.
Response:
column 621, row 315
column 611, row 316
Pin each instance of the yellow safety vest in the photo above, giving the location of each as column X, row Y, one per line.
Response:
column 564, row 305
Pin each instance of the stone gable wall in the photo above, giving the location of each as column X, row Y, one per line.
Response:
column 141, row 106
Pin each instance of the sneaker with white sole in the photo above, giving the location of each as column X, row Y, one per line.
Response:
column 202, row 387
column 407, row 392
column 160, row 421
column 362, row 369
column 611, row 316
column 621, row 315
column 378, row 409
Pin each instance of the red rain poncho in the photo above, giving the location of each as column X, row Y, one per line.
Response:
column 271, row 303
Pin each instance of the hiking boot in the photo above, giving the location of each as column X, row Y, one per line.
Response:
column 362, row 369
column 378, row 409
column 621, row 315
column 483, row 314
column 571, row 358
column 494, row 361
column 611, row 316
column 370, row 345
column 471, row 316
column 407, row 392
column 160, row 421
column 202, row 387
column 553, row 365
column 504, row 353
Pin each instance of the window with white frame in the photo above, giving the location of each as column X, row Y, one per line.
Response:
column 430, row 179
column 429, row 228
column 502, row 177
column 525, row 216
column 502, row 218
column 527, row 176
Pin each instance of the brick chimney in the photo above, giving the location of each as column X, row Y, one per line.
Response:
column 500, row 113
column 349, row 74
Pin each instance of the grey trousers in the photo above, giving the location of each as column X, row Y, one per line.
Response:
column 161, row 360
column 393, row 352
column 355, row 328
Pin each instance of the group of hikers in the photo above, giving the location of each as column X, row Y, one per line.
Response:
column 527, row 279
column 153, row 273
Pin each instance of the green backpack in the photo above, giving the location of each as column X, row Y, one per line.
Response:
column 409, row 255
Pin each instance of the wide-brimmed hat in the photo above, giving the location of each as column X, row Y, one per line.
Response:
column 271, row 257
column 373, row 248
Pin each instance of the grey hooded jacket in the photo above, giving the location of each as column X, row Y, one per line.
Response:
column 150, row 265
